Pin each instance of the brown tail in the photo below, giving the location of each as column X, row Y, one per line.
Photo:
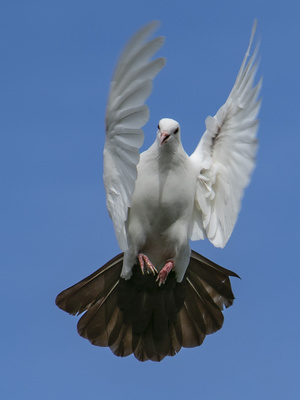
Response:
column 137, row 316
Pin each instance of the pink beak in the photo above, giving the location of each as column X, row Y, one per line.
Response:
column 164, row 136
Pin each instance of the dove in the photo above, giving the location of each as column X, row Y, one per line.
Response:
column 158, row 295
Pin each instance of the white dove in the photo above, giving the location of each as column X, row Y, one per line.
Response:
column 158, row 295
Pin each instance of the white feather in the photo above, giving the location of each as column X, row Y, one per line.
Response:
column 225, row 156
column 125, row 115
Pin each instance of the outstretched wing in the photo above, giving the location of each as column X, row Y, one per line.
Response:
column 225, row 156
column 125, row 115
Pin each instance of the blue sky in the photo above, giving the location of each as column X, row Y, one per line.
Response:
column 57, row 58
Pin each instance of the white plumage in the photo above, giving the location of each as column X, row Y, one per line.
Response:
column 161, row 200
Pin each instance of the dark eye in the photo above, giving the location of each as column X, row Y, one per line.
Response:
column 158, row 127
column 176, row 130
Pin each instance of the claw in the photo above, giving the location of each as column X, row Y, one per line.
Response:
column 163, row 273
column 144, row 260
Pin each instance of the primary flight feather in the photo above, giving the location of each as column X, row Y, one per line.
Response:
column 158, row 295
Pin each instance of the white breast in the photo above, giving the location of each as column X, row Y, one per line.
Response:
column 162, row 207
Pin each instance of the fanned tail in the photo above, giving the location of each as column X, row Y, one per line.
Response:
column 138, row 316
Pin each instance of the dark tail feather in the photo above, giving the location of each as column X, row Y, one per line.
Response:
column 137, row 316
column 96, row 287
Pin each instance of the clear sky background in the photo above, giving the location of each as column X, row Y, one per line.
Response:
column 57, row 58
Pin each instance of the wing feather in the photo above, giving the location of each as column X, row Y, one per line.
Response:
column 225, row 156
column 126, row 114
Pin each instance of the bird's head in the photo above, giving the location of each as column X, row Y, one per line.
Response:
column 168, row 133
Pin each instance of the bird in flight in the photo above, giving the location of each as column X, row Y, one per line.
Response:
column 158, row 295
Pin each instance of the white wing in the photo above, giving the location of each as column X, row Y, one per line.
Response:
column 125, row 115
column 225, row 157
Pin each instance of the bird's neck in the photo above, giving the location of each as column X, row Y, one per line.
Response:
column 170, row 155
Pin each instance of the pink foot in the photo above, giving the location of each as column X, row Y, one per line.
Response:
column 163, row 274
column 146, row 264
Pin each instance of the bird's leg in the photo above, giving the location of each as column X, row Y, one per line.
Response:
column 163, row 273
column 146, row 264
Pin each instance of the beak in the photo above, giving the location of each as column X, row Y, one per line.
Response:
column 164, row 136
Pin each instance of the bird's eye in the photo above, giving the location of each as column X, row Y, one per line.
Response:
column 176, row 130
column 158, row 127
